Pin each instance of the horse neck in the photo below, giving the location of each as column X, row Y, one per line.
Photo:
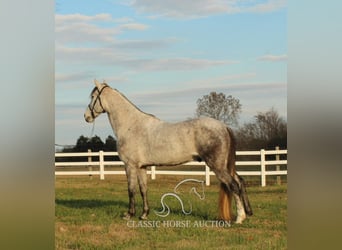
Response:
column 122, row 113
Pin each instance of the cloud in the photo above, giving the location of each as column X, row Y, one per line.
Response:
column 84, row 54
column 67, row 18
column 273, row 58
column 196, row 91
column 220, row 80
column 174, row 64
column 124, row 20
column 134, row 26
column 143, row 44
column 72, row 31
column 93, row 40
column 82, row 29
column 119, row 58
column 84, row 33
column 83, row 75
column 180, row 9
column 267, row 6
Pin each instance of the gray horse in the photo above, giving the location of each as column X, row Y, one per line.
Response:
column 144, row 140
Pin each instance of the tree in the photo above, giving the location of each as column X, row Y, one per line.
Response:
column 82, row 144
column 96, row 144
column 267, row 131
column 220, row 107
column 110, row 144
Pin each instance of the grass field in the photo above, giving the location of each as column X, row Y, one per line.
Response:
column 88, row 216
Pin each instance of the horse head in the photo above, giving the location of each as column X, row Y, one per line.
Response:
column 95, row 107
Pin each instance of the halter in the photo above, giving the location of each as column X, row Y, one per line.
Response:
column 92, row 109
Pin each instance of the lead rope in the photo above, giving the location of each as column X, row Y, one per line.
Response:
column 92, row 131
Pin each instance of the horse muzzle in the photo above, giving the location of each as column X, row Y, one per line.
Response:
column 88, row 118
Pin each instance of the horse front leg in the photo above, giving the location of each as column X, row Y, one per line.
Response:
column 142, row 179
column 132, row 183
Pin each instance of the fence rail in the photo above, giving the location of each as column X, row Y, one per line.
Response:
column 262, row 162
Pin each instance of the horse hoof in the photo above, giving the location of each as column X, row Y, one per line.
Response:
column 143, row 217
column 127, row 216
column 239, row 220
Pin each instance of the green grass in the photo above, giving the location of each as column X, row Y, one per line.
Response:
column 88, row 216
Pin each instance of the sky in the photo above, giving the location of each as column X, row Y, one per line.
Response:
column 164, row 55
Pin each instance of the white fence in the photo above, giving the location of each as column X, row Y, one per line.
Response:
column 261, row 162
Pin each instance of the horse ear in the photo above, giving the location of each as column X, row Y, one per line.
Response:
column 98, row 85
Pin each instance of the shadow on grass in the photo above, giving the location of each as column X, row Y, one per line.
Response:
column 90, row 203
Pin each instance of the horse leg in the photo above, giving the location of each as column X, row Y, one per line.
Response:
column 243, row 194
column 241, row 200
column 241, row 215
column 132, row 182
column 142, row 179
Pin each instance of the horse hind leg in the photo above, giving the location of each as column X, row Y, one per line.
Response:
column 243, row 195
column 241, row 215
column 142, row 179
column 242, row 203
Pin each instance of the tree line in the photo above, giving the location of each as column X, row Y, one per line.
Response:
column 267, row 129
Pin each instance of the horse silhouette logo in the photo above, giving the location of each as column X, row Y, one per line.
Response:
column 166, row 209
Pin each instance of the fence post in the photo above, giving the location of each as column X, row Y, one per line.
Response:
column 90, row 168
column 263, row 167
column 207, row 175
column 278, row 166
column 101, row 161
column 153, row 172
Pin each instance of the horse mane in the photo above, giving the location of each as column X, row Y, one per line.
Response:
column 122, row 95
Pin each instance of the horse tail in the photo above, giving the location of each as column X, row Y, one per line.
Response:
column 225, row 203
column 225, row 197
column 232, row 154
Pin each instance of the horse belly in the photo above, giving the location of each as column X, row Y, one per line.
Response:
column 171, row 151
column 170, row 158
